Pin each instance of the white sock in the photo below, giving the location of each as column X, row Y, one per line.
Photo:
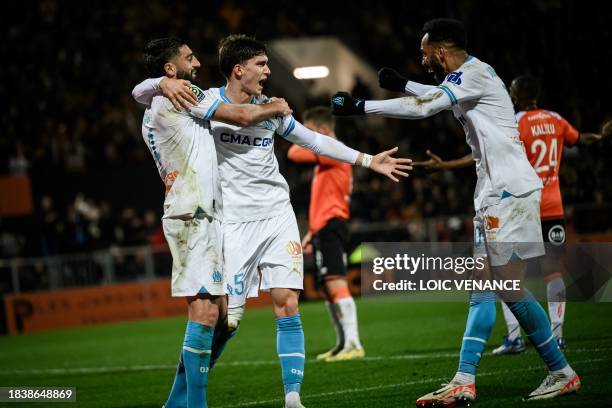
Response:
column 566, row 371
column 333, row 316
column 514, row 328
column 292, row 400
column 348, row 319
column 463, row 378
column 555, row 292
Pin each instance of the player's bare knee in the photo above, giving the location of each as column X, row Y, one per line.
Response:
column 292, row 306
column 203, row 310
column 286, row 302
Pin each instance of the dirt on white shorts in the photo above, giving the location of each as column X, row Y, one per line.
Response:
column 510, row 229
column 270, row 248
column 197, row 257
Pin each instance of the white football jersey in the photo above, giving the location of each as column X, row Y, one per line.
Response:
column 184, row 153
column 482, row 104
column 252, row 186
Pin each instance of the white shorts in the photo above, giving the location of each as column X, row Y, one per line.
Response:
column 510, row 228
column 197, row 257
column 271, row 246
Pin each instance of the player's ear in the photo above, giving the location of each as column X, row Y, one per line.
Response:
column 170, row 69
column 324, row 129
column 238, row 71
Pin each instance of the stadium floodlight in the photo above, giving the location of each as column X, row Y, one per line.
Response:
column 310, row 69
column 315, row 72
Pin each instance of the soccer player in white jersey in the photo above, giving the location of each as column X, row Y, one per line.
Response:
column 507, row 200
column 260, row 233
column 184, row 153
column 541, row 131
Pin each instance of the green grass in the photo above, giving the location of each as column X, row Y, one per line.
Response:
column 411, row 349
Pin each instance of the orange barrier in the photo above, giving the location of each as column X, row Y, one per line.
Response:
column 36, row 311
column 15, row 195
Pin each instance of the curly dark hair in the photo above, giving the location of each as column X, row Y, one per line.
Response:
column 446, row 30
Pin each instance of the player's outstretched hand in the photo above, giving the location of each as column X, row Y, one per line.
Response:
column 390, row 79
column 344, row 104
column 391, row 167
column 435, row 163
column 280, row 106
column 179, row 92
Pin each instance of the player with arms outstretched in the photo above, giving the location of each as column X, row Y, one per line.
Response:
column 544, row 134
column 327, row 236
column 506, row 200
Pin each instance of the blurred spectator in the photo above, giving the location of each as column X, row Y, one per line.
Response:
column 71, row 124
column 18, row 163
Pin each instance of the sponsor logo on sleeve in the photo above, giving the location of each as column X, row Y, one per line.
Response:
column 454, row 77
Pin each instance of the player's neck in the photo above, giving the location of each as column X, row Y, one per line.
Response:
column 236, row 95
column 455, row 60
column 528, row 106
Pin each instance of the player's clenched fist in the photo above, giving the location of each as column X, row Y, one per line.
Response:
column 344, row 104
column 279, row 106
column 390, row 79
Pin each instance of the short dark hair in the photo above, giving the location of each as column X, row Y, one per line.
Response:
column 160, row 51
column 527, row 87
column 446, row 30
column 237, row 49
column 321, row 115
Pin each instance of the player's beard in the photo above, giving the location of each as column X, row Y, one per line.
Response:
column 188, row 75
column 437, row 70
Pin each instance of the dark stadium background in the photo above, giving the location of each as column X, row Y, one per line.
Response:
column 69, row 124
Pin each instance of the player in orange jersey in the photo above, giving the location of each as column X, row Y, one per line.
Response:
column 544, row 134
column 327, row 236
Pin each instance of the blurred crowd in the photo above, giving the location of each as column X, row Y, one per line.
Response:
column 69, row 122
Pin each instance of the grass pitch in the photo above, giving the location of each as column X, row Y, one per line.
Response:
column 411, row 348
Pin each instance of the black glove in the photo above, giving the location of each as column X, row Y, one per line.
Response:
column 344, row 104
column 390, row 79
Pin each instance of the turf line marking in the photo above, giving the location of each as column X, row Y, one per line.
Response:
column 402, row 384
column 253, row 363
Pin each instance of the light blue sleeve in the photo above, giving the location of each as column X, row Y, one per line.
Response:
column 286, row 126
column 208, row 102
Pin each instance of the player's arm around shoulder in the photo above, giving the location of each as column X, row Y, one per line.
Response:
column 250, row 114
column 201, row 104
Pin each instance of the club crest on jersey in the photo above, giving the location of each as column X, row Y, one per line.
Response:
column 267, row 124
column 491, row 223
column 236, row 138
column 454, row 78
column 338, row 100
column 198, row 93
column 217, row 277
column 294, row 248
